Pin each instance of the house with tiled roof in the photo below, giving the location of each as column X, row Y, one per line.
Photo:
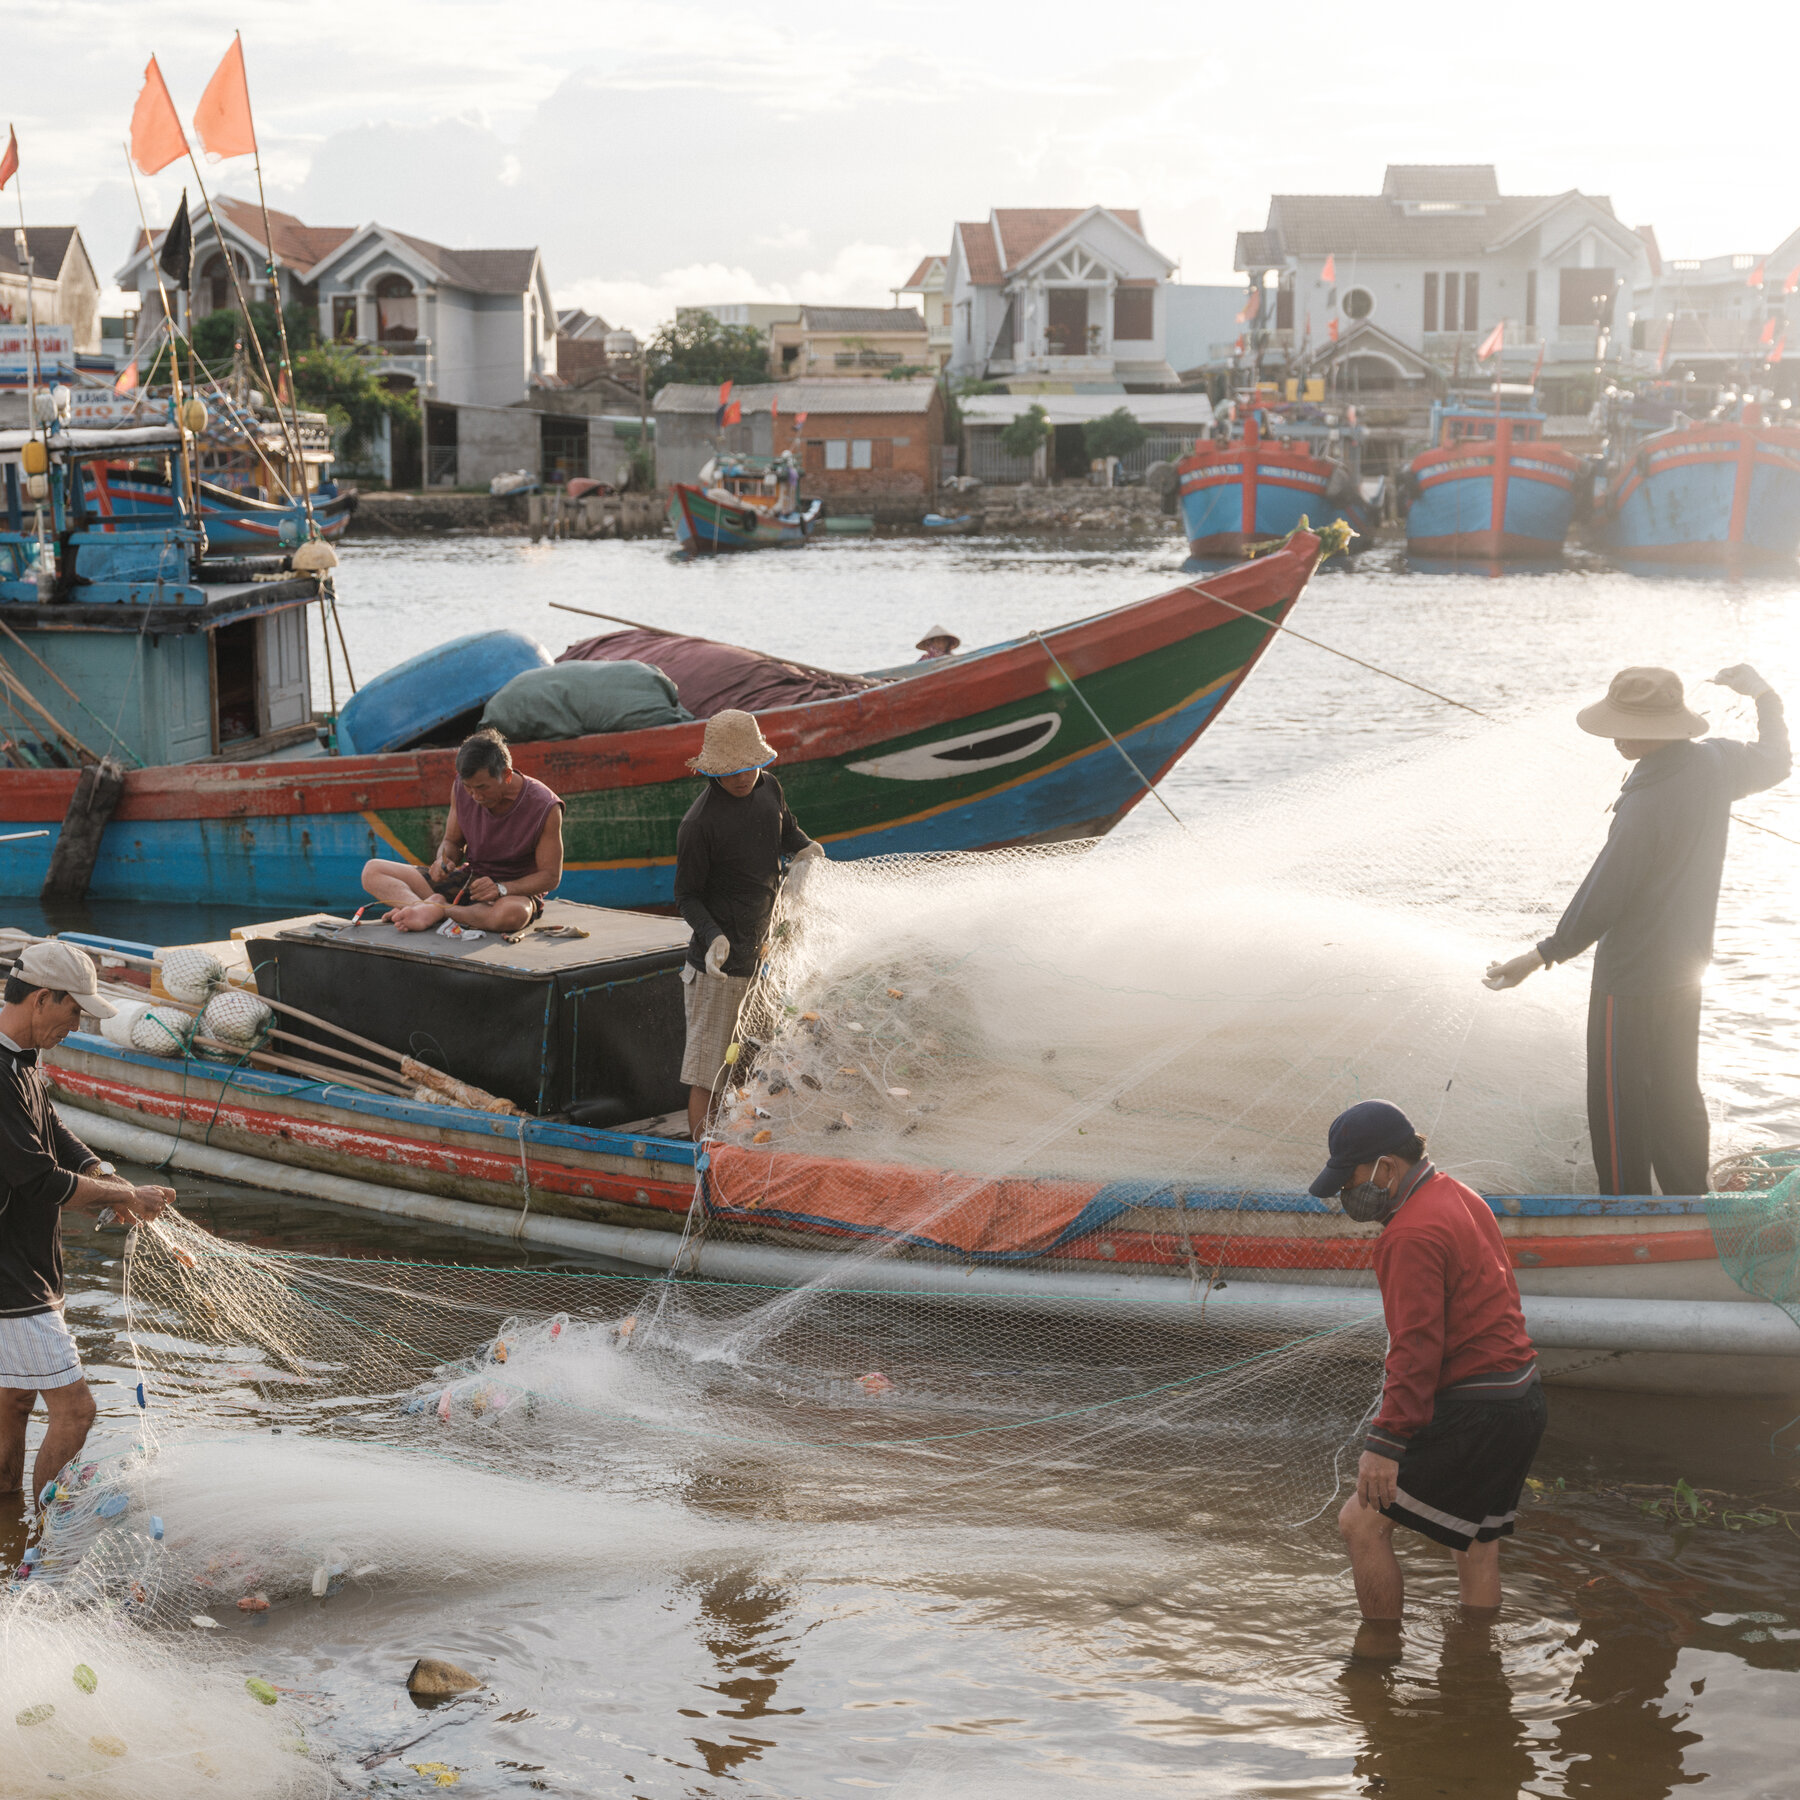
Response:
column 926, row 286
column 1056, row 295
column 63, row 287
column 1714, row 317
column 848, row 343
column 1436, row 261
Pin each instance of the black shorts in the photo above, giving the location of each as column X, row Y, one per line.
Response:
column 1461, row 1477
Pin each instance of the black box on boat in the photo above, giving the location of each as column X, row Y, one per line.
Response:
column 590, row 1026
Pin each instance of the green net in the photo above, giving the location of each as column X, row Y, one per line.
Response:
column 1756, row 1227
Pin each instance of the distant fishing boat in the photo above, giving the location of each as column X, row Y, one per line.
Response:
column 1490, row 489
column 746, row 503
column 236, row 523
column 1723, row 493
column 1260, row 484
column 943, row 526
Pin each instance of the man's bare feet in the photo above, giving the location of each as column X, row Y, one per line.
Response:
column 425, row 915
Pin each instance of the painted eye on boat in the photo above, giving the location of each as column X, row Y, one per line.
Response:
column 967, row 754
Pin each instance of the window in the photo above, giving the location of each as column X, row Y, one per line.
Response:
column 1284, row 307
column 862, row 453
column 837, row 453
column 1471, row 301
column 396, row 310
column 1531, row 299
column 1358, row 303
column 1452, row 301
column 1134, row 313
column 1431, row 293
column 1586, row 296
column 343, row 318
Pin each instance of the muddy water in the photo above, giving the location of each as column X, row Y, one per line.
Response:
column 766, row 1653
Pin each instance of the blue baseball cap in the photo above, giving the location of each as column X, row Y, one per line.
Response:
column 1360, row 1134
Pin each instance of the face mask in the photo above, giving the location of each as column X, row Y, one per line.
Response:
column 1366, row 1202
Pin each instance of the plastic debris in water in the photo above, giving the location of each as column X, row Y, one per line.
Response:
column 254, row 1603
column 204, row 1622
column 35, row 1715
column 156, row 1527
column 896, row 994
column 441, row 1773
column 85, row 1678
column 874, row 1382
column 260, row 1690
column 143, row 1404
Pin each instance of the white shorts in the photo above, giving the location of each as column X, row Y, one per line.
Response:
column 38, row 1352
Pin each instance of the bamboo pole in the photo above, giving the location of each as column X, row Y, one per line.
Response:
column 294, row 1065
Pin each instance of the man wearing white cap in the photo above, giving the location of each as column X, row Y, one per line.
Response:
column 1649, row 904
column 727, row 872
column 44, row 1168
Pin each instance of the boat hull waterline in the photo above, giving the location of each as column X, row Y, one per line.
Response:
column 988, row 749
column 1492, row 500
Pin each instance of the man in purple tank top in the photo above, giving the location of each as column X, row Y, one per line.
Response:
column 502, row 851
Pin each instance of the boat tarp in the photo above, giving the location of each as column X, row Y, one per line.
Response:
column 711, row 677
column 569, row 700
column 1000, row 1219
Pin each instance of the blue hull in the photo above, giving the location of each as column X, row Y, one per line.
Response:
column 1455, row 516
column 1708, row 495
column 315, row 860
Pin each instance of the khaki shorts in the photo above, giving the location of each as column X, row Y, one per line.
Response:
column 711, row 1003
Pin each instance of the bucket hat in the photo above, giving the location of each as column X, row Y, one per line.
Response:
column 54, row 964
column 733, row 743
column 936, row 632
column 1642, row 703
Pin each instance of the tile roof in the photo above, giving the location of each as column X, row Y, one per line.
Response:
column 1467, row 184
column 922, row 273
column 49, row 247
column 807, row 396
column 1023, row 228
column 862, row 318
column 300, row 246
column 574, row 322
column 980, row 257
column 1367, row 224
column 481, row 271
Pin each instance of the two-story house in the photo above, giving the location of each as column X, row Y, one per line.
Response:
column 63, row 287
column 847, row 342
column 926, row 285
column 1060, row 294
column 1713, row 317
column 1429, row 266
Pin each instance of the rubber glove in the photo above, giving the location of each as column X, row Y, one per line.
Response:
column 1742, row 679
column 716, row 953
column 1503, row 975
column 800, row 872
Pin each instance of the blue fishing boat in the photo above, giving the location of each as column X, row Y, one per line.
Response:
column 746, row 503
column 237, row 523
column 1263, row 481
column 1718, row 493
column 1490, row 489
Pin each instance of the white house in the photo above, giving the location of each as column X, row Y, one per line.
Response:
column 926, row 284
column 465, row 327
column 1710, row 316
column 1436, row 260
column 1063, row 294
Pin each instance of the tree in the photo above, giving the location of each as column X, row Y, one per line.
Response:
column 1116, row 433
column 695, row 347
column 334, row 380
column 215, row 337
column 1028, row 433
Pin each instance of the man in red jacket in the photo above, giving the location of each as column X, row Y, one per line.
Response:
column 1462, row 1410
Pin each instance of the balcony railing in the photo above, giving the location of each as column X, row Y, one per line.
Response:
column 866, row 359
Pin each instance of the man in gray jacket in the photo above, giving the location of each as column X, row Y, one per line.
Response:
column 1649, row 903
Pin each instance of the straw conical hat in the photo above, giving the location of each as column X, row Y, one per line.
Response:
column 936, row 632
column 734, row 742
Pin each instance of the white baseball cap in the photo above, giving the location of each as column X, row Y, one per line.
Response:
column 54, row 964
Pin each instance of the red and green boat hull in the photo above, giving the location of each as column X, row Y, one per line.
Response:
column 704, row 525
column 995, row 748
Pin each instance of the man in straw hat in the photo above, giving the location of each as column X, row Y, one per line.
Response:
column 937, row 643
column 45, row 1168
column 1649, row 903
column 727, row 871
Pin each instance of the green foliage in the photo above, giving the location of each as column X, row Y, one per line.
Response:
column 907, row 371
column 215, row 337
column 696, row 347
column 1028, row 433
column 1116, row 433
column 334, row 380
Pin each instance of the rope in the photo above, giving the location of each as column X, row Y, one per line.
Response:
column 1149, row 787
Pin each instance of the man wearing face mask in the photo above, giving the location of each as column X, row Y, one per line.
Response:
column 1462, row 1410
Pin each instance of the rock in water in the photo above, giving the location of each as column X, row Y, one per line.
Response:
column 433, row 1680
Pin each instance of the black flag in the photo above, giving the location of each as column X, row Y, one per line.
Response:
column 177, row 258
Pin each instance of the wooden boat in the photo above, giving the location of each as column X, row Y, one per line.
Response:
column 1490, row 489
column 995, row 747
column 1720, row 494
column 119, row 495
column 1624, row 1293
column 749, row 503
column 1255, row 487
column 959, row 526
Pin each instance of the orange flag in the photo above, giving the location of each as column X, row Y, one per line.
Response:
column 9, row 163
column 222, row 120
column 156, row 136
column 128, row 378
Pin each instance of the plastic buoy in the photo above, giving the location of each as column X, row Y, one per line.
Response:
column 112, row 1506
column 35, row 1715
column 260, row 1690
column 156, row 1527
column 85, row 1678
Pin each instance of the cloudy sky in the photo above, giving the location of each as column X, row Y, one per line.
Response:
column 663, row 152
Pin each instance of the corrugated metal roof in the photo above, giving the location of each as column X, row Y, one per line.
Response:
column 862, row 318
column 807, row 396
column 1463, row 184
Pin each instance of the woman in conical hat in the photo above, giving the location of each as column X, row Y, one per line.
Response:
column 939, row 641
column 727, row 873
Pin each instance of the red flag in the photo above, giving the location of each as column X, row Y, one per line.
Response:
column 1787, row 287
column 1329, row 272
column 1755, row 277
column 283, row 394
column 730, row 415
column 724, row 393
column 1491, row 344
column 1768, row 330
column 1662, row 356
column 1252, row 307
column 156, row 135
column 774, row 406
column 222, row 120
column 1775, row 354
column 799, row 420
column 1237, row 349
column 128, row 378
column 1537, row 368
column 1334, row 329
column 9, row 163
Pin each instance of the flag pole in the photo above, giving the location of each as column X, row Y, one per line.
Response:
column 174, row 335
column 33, row 373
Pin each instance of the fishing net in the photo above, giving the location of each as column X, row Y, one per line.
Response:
column 1754, row 1212
column 1010, row 1185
